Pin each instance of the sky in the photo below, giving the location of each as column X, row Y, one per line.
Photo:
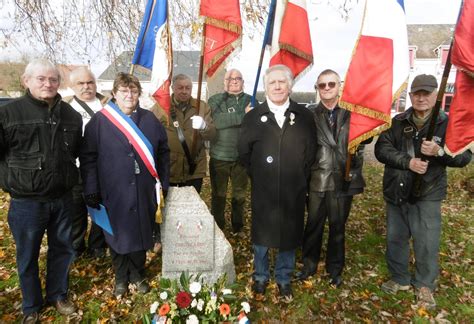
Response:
column 333, row 37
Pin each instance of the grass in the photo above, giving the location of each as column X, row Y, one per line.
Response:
column 359, row 299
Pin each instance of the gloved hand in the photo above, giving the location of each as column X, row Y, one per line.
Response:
column 93, row 200
column 198, row 122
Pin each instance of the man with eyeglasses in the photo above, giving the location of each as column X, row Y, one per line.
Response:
column 86, row 101
column 39, row 143
column 228, row 109
column 400, row 148
column 330, row 194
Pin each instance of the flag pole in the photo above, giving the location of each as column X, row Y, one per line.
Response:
column 268, row 29
column 198, row 104
column 417, row 183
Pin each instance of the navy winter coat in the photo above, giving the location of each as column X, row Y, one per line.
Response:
column 108, row 167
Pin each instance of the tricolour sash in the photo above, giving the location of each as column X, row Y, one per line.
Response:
column 140, row 143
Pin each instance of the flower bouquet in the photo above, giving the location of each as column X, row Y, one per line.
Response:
column 189, row 301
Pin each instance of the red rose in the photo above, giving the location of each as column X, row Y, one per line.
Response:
column 183, row 299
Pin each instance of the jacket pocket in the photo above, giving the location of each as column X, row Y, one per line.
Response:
column 23, row 174
column 27, row 140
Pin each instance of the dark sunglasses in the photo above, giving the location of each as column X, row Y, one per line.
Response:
column 322, row 85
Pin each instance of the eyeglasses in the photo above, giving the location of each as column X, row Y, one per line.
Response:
column 128, row 92
column 43, row 80
column 322, row 85
column 234, row 79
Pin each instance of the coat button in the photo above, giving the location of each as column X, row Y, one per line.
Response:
column 269, row 159
column 401, row 184
column 264, row 119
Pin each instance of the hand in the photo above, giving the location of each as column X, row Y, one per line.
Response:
column 429, row 148
column 248, row 108
column 198, row 123
column 93, row 200
column 418, row 166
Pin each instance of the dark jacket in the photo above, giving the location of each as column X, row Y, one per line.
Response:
column 227, row 110
column 108, row 167
column 327, row 172
column 392, row 149
column 38, row 148
column 179, row 163
column 278, row 161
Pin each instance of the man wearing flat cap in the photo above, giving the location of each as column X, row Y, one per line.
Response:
column 401, row 149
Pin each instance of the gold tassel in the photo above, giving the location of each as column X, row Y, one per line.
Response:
column 159, row 214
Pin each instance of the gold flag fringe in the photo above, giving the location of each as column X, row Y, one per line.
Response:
column 224, row 25
column 365, row 111
column 229, row 48
column 297, row 52
column 469, row 146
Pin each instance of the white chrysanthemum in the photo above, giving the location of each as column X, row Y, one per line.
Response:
column 192, row 319
column 245, row 307
column 200, row 305
column 226, row 291
column 164, row 295
column 194, row 303
column 154, row 307
column 195, row 287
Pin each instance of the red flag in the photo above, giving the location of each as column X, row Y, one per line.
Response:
column 291, row 46
column 460, row 133
column 223, row 31
column 378, row 71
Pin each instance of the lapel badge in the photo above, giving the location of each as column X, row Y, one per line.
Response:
column 264, row 119
column 292, row 118
column 176, row 124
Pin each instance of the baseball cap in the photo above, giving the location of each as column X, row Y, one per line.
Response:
column 425, row 82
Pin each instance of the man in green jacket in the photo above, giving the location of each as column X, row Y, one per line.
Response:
column 228, row 109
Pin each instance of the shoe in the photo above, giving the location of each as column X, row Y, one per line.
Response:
column 424, row 298
column 285, row 290
column 393, row 287
column 142, row 286
column 121, row 289
column 31, row 318
column 64, row 307
column 259, row 287
column 304, row 274
column 336, row 281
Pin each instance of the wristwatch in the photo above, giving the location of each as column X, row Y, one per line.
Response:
column 440, row 152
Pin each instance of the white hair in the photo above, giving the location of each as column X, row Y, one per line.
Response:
column 40, row 63
column 78, row 71
column 279, row 67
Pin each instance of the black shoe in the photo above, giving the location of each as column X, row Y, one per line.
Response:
column 121, row 289
column 336, row 281
column 285, row 290
column 304, row 274
column 259, row 287
column 31, row 318
column 143, row 287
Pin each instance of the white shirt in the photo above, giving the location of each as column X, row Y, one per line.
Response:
column 279, row 111
column 95, row 105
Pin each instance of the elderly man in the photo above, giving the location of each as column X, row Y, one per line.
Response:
column 187, row 130
column 400, row 148
column 277, row 147
column 39, row 143
column 330, row 194
column 87, row 102
column 228, row 109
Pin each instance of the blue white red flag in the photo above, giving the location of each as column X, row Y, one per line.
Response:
column 378, row 71
column 154, row 50
column 289, row 45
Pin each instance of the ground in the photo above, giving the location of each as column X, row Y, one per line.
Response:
column 359, row 299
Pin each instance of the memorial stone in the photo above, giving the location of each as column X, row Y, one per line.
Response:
column 191, row 240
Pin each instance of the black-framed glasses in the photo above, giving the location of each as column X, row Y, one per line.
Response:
column 322, row 85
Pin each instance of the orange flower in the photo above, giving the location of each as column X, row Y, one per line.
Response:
column 164, row 309
column 224, row 309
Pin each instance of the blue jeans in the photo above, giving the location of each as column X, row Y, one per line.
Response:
column 422, row 222
column 284, row 265
column 29, row 220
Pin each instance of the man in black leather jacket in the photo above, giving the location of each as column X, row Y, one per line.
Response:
column 330, row 194
column 39, row 142
column 400, row 148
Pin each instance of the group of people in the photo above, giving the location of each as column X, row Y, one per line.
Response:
column 294, row 157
